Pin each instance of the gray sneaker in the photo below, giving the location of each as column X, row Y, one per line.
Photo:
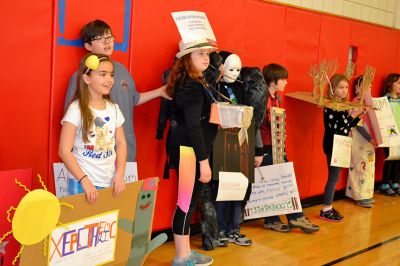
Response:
column 304, row 224
column 372, row 200
column 278, row 226
column 183, row 262
column 200, row 259
column 366, row 203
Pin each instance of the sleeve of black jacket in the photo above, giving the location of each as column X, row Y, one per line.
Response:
column 164, row 113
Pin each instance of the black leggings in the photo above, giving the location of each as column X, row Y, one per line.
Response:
column 181, row 220
column 333, row 177
column 391, row 170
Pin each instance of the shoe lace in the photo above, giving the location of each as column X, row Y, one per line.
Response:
column 305, row 220
column 194, row 254
column 237, row 235
column 190, row 263
column 335, row 211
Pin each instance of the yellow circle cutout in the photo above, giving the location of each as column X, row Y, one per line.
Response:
column 36, row 216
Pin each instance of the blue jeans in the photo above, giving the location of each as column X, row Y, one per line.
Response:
column 74, row 187
column 267, row 160
column 231, row 223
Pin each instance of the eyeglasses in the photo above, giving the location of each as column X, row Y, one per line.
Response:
column 104, row 39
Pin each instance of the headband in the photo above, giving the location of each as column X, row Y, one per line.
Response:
column 92, row 62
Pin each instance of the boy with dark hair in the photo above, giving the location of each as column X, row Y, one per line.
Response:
column 275, row 77
column 97, row 38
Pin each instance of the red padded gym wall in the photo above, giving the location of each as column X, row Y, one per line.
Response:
column 398, row 53
column 25, row 85
column 227, row 22
column 263, row 33
column 301, row 50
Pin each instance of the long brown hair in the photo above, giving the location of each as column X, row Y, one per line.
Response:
column 82, row 94
column 180, row 72
column 334, row 82
column 388, row 83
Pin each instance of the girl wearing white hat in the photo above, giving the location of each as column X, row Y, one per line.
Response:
column 191, row 138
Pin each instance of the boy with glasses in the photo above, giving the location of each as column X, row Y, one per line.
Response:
column 97, row 38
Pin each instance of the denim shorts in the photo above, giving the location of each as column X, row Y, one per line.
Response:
column 74, row 187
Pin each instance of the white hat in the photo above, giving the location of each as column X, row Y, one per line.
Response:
column 187, row 48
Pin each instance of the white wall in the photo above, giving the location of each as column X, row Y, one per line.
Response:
column 382, row 12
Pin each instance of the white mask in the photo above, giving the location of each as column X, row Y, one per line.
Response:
column 232, row 67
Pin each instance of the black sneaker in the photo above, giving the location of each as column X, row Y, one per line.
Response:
column 337, row 213
column 223, row 240
column 396, row 190
column 239, row 239
column 387, row 191
column 331, row 215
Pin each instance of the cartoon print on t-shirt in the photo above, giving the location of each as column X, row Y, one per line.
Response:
column 103, row 141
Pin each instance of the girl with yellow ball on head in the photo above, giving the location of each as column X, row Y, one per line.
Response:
column 92, row 141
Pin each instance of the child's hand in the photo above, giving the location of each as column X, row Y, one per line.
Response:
column 91, row 192
column 364, row 111
column 356, row 112
column 205, row 171
column 258, row 160
column 119, row 186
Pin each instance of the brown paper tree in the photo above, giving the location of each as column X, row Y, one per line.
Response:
column 320, row 74
column 368, row 77
column 350, row 70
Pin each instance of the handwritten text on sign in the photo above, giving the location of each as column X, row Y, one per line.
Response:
column 384, row 124
column 341, row 152
column 232, row 186
column 86, row 242
column 274, row 192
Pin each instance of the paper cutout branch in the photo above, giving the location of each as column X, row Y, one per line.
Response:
column 321, row 74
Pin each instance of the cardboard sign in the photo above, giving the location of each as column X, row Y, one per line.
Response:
column 341, row 152
column 90, row 241
column 274, row 192
column 61, row 175
column 193, row 25
column 135, row 204
column 383, row 123
column 232, row 186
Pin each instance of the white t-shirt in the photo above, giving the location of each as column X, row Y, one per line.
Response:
column 96, row 158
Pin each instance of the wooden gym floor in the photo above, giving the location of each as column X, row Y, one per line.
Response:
column 365, row 237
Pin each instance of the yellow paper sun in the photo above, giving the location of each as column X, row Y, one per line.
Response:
column 35, row 217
